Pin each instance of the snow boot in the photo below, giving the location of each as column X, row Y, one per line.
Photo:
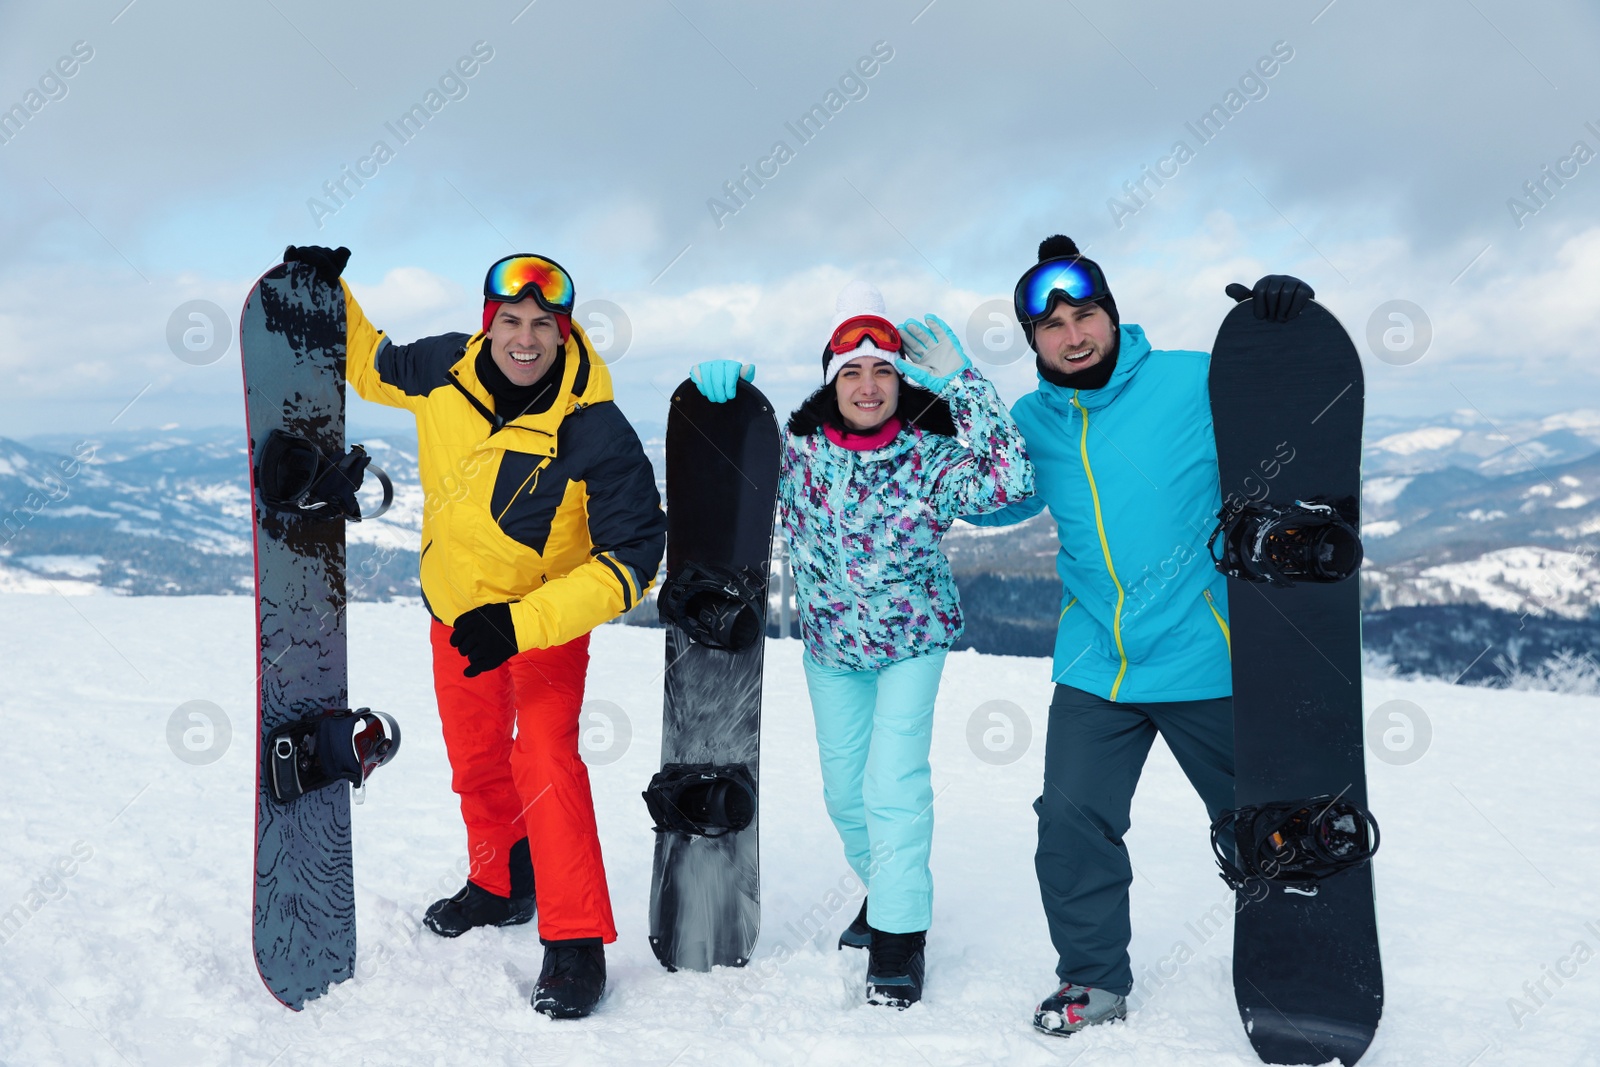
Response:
column 573, row 978
column 1073, row 1007
column 895, row 969
column 475, row 906
column 858, row 934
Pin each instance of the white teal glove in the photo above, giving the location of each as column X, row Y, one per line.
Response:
column 718, row 379
column 931, row 355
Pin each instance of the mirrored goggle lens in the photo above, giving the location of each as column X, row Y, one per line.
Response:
column 509, row 279
column 852, row 332
column 1074, row 279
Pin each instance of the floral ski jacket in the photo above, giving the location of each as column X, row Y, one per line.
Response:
column 872, row 585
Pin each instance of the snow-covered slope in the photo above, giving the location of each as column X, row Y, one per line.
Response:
column 126, row 877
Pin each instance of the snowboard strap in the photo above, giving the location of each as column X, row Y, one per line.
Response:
column 719, row 607
column 296, row 477
column 1298, row 842
column 341, row 745
column 701, row 799
column 1277, row 545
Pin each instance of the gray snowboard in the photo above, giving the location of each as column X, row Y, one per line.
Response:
column 292, row 343
column 722, row 485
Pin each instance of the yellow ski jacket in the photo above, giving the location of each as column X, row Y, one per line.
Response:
column 555, row 512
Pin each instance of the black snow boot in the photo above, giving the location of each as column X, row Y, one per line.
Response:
column 475, row 906
column 895, row 969
column 858, row 934
column 573, row 978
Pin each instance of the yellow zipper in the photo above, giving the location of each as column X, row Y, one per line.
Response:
column 1105, row 547
column 534, row 478
column 1226, row 635
column 1066, row 609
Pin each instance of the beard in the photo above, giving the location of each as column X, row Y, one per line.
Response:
column 1092, row 377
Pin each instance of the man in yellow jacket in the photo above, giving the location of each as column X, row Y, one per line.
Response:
column 541, row 521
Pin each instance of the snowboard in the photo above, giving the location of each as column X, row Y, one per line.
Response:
column 722, row 482
column 292, row 346
column 1286, row 401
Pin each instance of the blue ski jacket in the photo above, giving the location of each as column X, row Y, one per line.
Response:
column 1129, row 473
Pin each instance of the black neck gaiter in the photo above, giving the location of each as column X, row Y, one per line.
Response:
column 512, row 401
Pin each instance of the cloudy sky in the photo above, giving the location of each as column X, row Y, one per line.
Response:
column 162, row 152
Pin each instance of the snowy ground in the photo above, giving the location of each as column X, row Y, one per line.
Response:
column 125, row 877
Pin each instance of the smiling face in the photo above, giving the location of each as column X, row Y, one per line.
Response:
column 524, row 340
column 868, row 389
column 1071, row 339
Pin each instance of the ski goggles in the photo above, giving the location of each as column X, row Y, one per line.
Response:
column 1074, row 279
column 849, row 334
column 510, row 279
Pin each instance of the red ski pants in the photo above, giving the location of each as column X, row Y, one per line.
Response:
column 528, row 783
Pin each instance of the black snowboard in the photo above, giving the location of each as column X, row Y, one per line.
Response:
column 292, row 343
column 1287, row 403
column 722, row 484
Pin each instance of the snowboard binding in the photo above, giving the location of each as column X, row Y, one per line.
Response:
column 1296, row 844
column 337, row 746
column 294, row 476
column 701, row 799
column 718, row 607
column 1303, row 542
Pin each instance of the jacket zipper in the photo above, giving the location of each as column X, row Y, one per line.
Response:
column 534, row 478
column 1105, row 547
column 1226, row 634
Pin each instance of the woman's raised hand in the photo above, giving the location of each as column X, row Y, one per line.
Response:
column 931, row 354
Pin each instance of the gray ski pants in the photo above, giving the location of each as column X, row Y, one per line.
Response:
column 1094, row 751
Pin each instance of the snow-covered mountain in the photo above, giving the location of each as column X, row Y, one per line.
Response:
column 138, row 513
column 169, row 513
column 1528, row 579
column 1469, row 440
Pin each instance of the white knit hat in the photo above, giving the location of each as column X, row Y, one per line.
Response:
column 856, row 298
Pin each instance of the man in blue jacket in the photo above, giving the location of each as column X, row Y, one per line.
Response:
column 1121, row 441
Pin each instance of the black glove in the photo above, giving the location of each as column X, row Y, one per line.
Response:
column 327, row 262
column 486, row 637
column 1279, row 297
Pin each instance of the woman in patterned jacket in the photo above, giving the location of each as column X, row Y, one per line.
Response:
column 903, row 437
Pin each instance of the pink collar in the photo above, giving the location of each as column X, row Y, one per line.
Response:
column 856, row 442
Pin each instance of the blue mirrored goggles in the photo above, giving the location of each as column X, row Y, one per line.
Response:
column 1074, row 279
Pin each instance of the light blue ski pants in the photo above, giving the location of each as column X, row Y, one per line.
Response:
column 874, row 730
